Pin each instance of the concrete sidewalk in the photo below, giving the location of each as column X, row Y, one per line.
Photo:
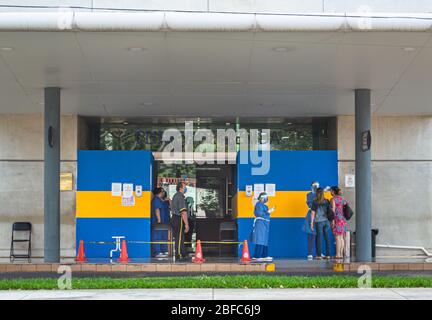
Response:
column 222, row 294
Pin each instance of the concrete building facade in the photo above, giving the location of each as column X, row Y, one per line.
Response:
column 402, row 177
column 217, row 63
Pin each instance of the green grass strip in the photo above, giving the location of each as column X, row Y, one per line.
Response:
column 234, row 281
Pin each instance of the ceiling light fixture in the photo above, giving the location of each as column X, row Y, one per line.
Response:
column 282, row 49
column 7, row 48
column 146, row 103
column 266, row 105
column 408, row 49
column 135, row 49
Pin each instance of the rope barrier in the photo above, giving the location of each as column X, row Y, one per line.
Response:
column 164, row 242
column 101, row 242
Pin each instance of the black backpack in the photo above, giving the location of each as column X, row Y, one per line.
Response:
column 347, row 211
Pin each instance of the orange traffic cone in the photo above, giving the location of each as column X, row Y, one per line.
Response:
column 245, row 253
column 123, row 253
column 198, row 254
column 81, row 255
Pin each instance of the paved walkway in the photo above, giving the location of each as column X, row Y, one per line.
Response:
column 222, row 294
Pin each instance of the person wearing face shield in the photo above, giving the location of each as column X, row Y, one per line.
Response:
column 311, row 233
column 261, row 228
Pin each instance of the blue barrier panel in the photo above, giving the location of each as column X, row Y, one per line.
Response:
column 102, row 229
column 98, row 169
column 293, row 170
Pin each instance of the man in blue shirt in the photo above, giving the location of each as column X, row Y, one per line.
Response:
column 159, row 217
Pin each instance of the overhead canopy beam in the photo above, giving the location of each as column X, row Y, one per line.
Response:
column 98, row 21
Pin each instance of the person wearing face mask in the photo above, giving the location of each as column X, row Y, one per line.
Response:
column 159, row 217
column 180, row 223
column 311, row 233
column 261, row 228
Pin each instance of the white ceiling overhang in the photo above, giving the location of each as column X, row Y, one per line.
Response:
column 216, row 73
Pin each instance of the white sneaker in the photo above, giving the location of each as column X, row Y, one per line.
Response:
column 166, row 253
column 268, row 259
column 260, row 259
column 310, row 257
column 160, row 255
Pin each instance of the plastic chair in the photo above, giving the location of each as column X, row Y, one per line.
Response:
column 224, row 228
column 23, row 228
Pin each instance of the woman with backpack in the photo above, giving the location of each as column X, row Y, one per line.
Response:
column 339, row 224
column 320, row 222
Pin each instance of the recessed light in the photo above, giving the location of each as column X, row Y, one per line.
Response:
column 282, row 49
column 147, row 103
column 7, row 48
column 125, row 123
column 408, row 49
column 266, row 105
column 135, row 49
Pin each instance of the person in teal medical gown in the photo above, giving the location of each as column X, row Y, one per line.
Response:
column 261, row 228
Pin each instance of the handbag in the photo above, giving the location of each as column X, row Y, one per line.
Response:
column 329, row 213
column 347, row 211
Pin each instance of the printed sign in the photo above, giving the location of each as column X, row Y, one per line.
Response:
column 349, row 181
column 127, row 190
column 258, row 188
column 116, row 189
column 249, row 191
column 270, row 189
column 128, row 201
column 138, row 191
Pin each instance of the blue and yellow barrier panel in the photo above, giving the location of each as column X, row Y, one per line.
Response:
column 292, row 173
column 100, row 214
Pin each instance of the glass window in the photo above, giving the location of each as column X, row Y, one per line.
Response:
column 285, row 133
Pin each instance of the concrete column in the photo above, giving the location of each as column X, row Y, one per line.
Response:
column 363, row 191
column 52, row 175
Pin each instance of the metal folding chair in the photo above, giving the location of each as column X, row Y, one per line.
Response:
column 23, row 229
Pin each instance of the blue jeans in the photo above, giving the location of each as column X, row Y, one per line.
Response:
column 159, row 235
column 322, row 229
column 260, row 251
column 311, row 243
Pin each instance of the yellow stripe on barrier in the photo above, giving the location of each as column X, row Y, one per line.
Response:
column 101, row 204
column 289, row 204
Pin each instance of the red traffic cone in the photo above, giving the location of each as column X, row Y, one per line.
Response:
column 198, row 254
column 245, row 253
column 123, row 253
column 81, row 255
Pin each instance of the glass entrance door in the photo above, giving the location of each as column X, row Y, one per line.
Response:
column 207, row 198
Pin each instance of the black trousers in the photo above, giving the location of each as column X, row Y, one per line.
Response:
column 179, row 236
